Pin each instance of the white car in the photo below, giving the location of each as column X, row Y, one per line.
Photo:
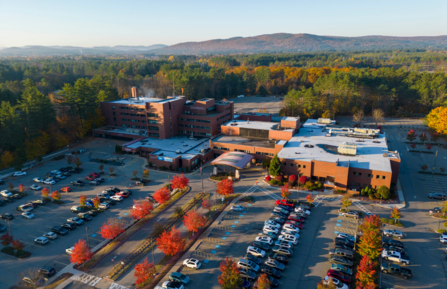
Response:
column 443, row 238
column 237, row 208
column 116, row 198
column 69, row 251
column 50, row 235
column 290, row 233
column 18, row 174
column 5, row 193
column 192, row 263
column 270, row 229
column 290, row 227
column 264, row 239
column 255, row 251
column 35, row 188
column 346, row 236
column 62, row 177
column 38, row 180
column 28, row 215
column 285, row 244
column 56, row 172
column 104, row 206
column 288, row 238
column 337, row 283
column 41, row 240
column 301, row 210
column 273, row 224
column 25, row 208
column 49, row 182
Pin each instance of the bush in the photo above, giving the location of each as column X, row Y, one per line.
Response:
column 292, row 179
column 339, row 192
column 384, row 192
column 266, row 163
column 302, row 180
column 8, row 250
column 268, row 178
column 371, row 197
column 274, row 182
column 279, row 178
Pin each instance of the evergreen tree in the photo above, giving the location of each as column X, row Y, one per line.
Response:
column 275, row 166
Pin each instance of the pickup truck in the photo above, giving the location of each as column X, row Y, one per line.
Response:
column 395, row 257
column 394, row 233
column 388, row 268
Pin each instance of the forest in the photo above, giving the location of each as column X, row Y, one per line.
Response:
column 47, row 103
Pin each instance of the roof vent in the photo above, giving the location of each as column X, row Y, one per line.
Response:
column 248, row 120
column 178, row 151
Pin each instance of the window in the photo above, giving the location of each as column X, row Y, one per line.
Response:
column 113, row 107
column 369, row 176
column 114, row 113
column 153, row 128
column 354, row 173
column 188, row 125
column 152, row 121
column 377, row 177
column 114, row 119
column 180, row 124
column 189, row 119
column 152, row 115
column 180, row 118
column 201, row 120
column 153, row 134
column 304, row 166
column 202, row 127
column 291, row 164
column 124, row 113
column 360, row 174
column 383, row 177
column 299, row 166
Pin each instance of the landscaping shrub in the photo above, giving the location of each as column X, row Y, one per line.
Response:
column 266, row 163
column 279, row 178
column 292, row 179
column 267, row 178
column 302, row 180
column 384, row 192
column 274, row 182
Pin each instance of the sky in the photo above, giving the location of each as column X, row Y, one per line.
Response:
column 146, row 22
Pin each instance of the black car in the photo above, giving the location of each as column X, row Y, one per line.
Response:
column 261, row 245
column 101, row 180
column 127, row 191
column 64, row 170
column 9, row 200
column 278, row 220
column 16, row 196
column 438, row 196
column 110, row 193
column 284, row 207
column 67, row 174
column 92, row 213
column 150, row 199
column 102, row 199
column 437, row 210
column 271, row 271
column 2, row 228
column 393, row 248
column 247, row 274
column 59, row 230
column 279, row 257
column 253, row 259
column 115, row 189
column 393, row 243
column 273, row 281
column 78, row 183
column 2, row 182
column 69, row 226
column 280, row 215
column 344, row 241
column 47, row 271
column 110, row 202
column 7, row 216
column 85, row 216
column 76, row 170
column 342, row 246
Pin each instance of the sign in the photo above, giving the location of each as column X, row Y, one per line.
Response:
column 165, row 159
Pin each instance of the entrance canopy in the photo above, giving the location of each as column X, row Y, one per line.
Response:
column 234, row 159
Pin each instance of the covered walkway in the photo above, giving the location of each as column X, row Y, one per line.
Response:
column 234, row 159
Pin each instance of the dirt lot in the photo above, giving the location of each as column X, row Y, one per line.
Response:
column 253, row 103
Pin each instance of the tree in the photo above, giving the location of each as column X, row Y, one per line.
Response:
column 45, row 192
column 395, row 214
column 77, row 162
column 371, row 223
column 146, row 174
column 275, row 166
column 112, row 228
column 10, row 186
column 310, row 198
column 230, row 277
column 366, row 273
column 358, row 116
column 437, row 119
column 179, row 182
column 285, row 191
column 411, row 137
column 111, row 170
column 81, row 253
column 346, row 201
column 206, row 204
column 17, row 245
column 412, row 145
column 171, row 242
column 370, row 244
column 266, row 163
column 6, row 239
column 428, row 146
column 135, row 173
column 384, row 192
column 96, row 202
column 56, row 195
column 82, row 200
column 329, row 285
column 435, row 137
column 423, row 137
column 292, row 179
column 69, row 160
column 101, row 168
column 162, row 195
column 144, row 272
column 378, row 115
column 302, row 180
column 263, row 282
column 225, row 187
column 6, row 160
column 193, row 221
column 178, row 212
column 21, row 188
column 444, row 208
column 141, row 209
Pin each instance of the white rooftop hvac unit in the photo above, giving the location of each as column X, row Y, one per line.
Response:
column 324, row 120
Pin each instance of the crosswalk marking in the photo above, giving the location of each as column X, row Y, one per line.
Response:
column 269, row 193
column 361, row 207
column 117, row 286
column 87, row 279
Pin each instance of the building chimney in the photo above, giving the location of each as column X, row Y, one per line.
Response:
column 134, row 91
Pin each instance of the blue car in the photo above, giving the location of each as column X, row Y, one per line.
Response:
column 245, row 285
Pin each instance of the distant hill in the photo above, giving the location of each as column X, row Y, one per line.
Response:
column 283, row 42
column 35, row 50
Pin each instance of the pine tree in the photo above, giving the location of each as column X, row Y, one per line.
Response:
column 275, row 166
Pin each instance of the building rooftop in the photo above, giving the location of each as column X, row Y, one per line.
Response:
column 256, row 113
column 172, row 155
column 178, row 143
column 241, row 140
column 290, row 118
column 262, row 125
column 143, row 100
column 311, row 143
column 123, row 130
column 313, row 123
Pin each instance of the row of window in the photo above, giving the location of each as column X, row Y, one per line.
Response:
column 154, row 134
column 134, row 126
column 242, row 151
column 153, row 128
column 130, row 108
column 133, row 120
column 152, row 121
column 152, row 114
column 265, row 154
column 370, row 176
column 222, row 149
column 228, row 114
column 195, row 133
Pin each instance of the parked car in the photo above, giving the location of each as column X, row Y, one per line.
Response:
column 394, row 234
column 287, row 208
column 6, row 193
column 33, row 282
column 437, row 196
column 284, row 244
column 270, row 229
column 285, row 203
column 277, row 214
column 94, row 183
column 18, row 174
column 282, row 250
column 296, row 224
column 28, row 215
column 2, row 182
column 49, row 182
column 388, row 268
column 290, row 227
column 41, row 240
column 65, row 189
column 116, row 198
column 237, row 208
column 69, row 226
column 280, row 257
column 296, row 219
column 3, row 228
column 59, row 230
column 268, row 234
column 85, row 216
column 273, row 282
column 261, row 245
column 345, row 278
column 76, row 220
column 278, row 220
column 25, row 208
column 76, row 209
column 271, row 271
column 338, row 284
column 344, row 241
column 290, row 233
column 35, row 187
column 342, row 268
column 104, row 206
column 288, row 238
column 192, row 263
column 341, row 260
column 302, row 210
column 253, row 259
column 272, row 224
column 281, row 210
column 247, row 264
column 179, row 277
column 47, row 271
column 351, row 214
column 41, row 202
column 264, row 239
column 247, row 274
column 255, row 251
column 7, row 216
column 346, row 236
column 396, row 257
column 78, row 183
column 70, row 250
column 275, row 264
column 393, row 243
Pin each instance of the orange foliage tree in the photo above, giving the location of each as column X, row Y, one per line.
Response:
column 82, row 200
column 81, row 253
column 225, row 187
column 285, row 191
column 144, row 272
column 96, row 202
column 171, row 242
column 206, row 204
column 17, row 245
column 310, row 198
column 395, row 214
column 21, row 188
column 45, row 192
column 77, row 162
column 263, row 282
column 370, row 244
column 230, row 277
column 112, row 228
column 56, row 195
column 371, row 223
column 179, row 182
column 141, row 209
column 162, row 195
column 193, row 221
column 365, row 273
column 6, row 239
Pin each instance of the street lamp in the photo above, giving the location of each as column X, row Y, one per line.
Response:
column 86, row 230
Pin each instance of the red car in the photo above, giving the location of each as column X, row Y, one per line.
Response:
column 342, row 277
column 66, row 189
column 95, row 175
column 285, row 203
column 296, row 224
column 296, row 219
column 90, row 178
column 122, row 194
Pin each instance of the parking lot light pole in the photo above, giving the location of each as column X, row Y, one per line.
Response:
column 86, row 230
column 9, row 224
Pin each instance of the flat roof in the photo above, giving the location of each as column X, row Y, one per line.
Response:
column 314, row 123
column 143, row 100
column 369, row 152
column 122, row 130
column 257, row 113
column 173, row 155
column 290, row 118
column 262, row 125
column 182, row 143
column 241, row 140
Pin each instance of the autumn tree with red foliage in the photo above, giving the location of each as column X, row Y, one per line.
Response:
column 162, row 195
column 370, row 244
column 179, row 182
column 411, row 136
column 21, row 188
column 45, row 192
column 428, row 146
column 412, row 145
column 395, row 214
column 171, row 242
column 56, row 195
column 302, row 180
column 193, row 221
column 144, row 272
column 285, row 191
column 310, row 198
column 263, row 282
column 112, row 228
column 81, row 253
column 82, row 200
column 77, row 162
column 230, row 277
column 17, row 245
column 292, row 179
column 140, row 209
column 96, row 202
column 225, row 187
column 371, row 223
column 366, row 273
column 6, row 239
column 206, row 204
